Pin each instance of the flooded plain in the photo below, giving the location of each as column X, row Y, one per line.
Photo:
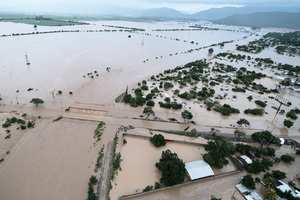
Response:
column 55, row 159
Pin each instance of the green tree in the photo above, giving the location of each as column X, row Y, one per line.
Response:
column 288, row 123
column 158, row 140
column 37, row 101
column 194, row 132
column 215, row 198
column 148, row 111
column 217, row 152
column 210, row 50
column 186, row 115
column 269, row 181
column 248, row 181
column 287, row 158
column 239, row 134
column 271, row 195
column 278, row 174
column 172, row 168
column 242, row 121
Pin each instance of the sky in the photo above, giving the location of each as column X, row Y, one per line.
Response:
column 94, row 6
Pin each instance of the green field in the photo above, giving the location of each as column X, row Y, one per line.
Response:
column 47, row 20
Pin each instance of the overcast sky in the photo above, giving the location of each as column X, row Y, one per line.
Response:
column 92, row 6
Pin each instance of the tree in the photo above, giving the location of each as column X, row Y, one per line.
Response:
column 35, row 26
column 239, row 134
column 243, row 121
column 287, row 158
column 194, row 132
column 150, row 103
column 248, row 181
column 271, row 195
column 278, row 174
column 217, row 152
column 288, row 123
column 269, row 181
column 158, row 140
column 210, row 50
column 215, row 198
column 172, row 168
column 148, row 111
column 255, row 167
column 37, row 101
column 186, row 115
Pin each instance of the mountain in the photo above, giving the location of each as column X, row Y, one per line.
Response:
column 268, row 19
column 166, row 13
column 220, row 13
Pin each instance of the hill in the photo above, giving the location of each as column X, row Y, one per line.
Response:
column 220, row 13
column 269, row 19
column 168, row 13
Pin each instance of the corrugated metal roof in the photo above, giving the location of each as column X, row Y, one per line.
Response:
column 198, row 169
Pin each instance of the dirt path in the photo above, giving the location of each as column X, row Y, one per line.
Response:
column 104, row 183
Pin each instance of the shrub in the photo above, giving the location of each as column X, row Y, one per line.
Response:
column 171, row 175
column 288, row 123
column 226, row 109
column 255, row 111
column 261, row 103
column 287, row 158
column 150, row 103
column 291, row 114
column 248, row 182
column 158, row 140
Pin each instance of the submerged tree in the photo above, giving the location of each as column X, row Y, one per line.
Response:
column 37, row 101
column 172, row 168
column 148, row 111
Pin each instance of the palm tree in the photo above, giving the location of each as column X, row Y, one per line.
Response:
column 269, row 182
column 271, row 195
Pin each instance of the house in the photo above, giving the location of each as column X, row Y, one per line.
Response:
column 247, row 193
column 244, row 159
column 198, row 169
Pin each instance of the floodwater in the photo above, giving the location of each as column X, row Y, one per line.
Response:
column 57, row 159
column 221, row 187
column 139, row 157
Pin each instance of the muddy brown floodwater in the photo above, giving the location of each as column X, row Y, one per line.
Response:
column 54, row 160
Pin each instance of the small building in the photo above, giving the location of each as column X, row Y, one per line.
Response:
column 198, row 169
column 244, row 159
column 282, row 186
column 247, row 193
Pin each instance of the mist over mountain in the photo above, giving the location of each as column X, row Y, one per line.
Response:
column 267, row 19
column 220, row 13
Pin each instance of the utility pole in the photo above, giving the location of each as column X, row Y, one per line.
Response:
column 26, row 57
column 282, row 101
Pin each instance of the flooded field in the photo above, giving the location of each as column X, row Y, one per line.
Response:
column 92, row 65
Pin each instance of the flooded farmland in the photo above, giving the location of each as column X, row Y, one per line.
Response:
column 92, row 65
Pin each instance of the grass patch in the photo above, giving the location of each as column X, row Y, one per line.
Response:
column 100, row 156
column 98, row 132
column 57, row 119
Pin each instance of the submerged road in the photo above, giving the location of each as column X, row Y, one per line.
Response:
column 104, row 183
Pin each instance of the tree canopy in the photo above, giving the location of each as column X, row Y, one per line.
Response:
column 37, row 101
column 172, row 168
column 158, row 140
column 248, row 182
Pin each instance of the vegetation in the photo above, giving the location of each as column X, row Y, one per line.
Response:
column 215, row 198
column 255, row 111
column 255, row 167
column 261, row 103
column 186, row 115
column 292, row 114
column 226, row 109
column 100, row 156
column 171, row 175
column 98, row 132
column 57, row 119
column 288, row 123
column 217, row 152
column 287, row 158
column 37, row 101
column 158, row 140
column 243, row 121
column 148, row 111
column 248, row 181
column 266, row 136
